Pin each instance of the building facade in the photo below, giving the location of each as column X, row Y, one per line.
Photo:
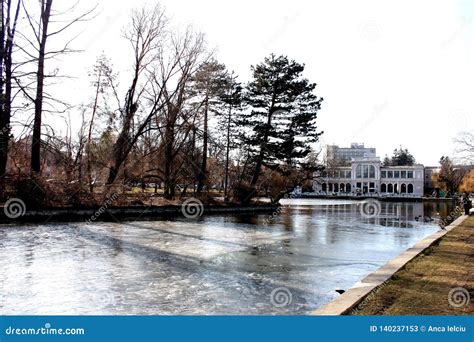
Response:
column 366, row 176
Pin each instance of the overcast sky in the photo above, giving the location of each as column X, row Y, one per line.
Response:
column 391, row 73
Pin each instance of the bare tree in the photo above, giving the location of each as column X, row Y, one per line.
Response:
column 157, row 98
column 37, row 54
column 146, row 35
column 465, row 146
column 7, row 35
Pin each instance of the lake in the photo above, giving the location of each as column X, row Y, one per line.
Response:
column 291, row 262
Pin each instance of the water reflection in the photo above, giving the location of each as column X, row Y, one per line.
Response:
column 217, row 265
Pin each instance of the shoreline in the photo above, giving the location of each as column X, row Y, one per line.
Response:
column 379, row 198
column 143, row 213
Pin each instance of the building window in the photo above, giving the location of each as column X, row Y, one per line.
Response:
column 390, row 188
column 410, row 188
column 389, row 174
column 384, row 174
column 396, row 174
column 371, row 187
column 403, row 189
column 324, row 187
column 403, row 174
column 409, row 174
column 348, row 187
column 366, row 171
column 371, row 171
column 383, row 187
column 359, row 185
column 359, row 171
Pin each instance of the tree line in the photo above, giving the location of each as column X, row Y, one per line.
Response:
column 185, row 123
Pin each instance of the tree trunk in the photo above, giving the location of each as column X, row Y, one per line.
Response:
column 227, row 152
column 89, row 135
column 258, row 166
column 203, row 172
column 36, row 141
column 169, row 190
column 6, row 61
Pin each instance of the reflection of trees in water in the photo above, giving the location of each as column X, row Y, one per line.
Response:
column 438, row 209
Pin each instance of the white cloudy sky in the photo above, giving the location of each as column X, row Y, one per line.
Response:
column 391, row 72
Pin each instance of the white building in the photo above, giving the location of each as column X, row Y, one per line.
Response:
column 356, row 150
column 367, row 177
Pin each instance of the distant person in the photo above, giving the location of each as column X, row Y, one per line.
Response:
column 466, row 202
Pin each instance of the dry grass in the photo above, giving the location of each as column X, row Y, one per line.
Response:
column 423, row 285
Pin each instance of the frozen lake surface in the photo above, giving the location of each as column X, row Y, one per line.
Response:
column 289, row 263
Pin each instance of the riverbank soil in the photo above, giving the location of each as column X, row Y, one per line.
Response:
column 423, row 286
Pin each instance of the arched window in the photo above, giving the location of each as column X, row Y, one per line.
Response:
column 341, row 187
column 395, row 188
column 410, row 188
column 390, row 188
column 330, row 187
column 383, row 187
column 404, row 189
column 348, row 187
column 336, row 187
column 371, row 171
column 324, row 187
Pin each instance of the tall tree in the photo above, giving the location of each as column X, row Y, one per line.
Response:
column 146, row 33
column 42, row 31
column 103, row 78
column 283, row 116
column 42, row 36
column 208, row 84
column 7, row 34
column 231, row 104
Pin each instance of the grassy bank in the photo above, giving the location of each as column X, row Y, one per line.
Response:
column 423, row 285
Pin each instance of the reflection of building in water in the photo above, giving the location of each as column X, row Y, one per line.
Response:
column 366, row 176
column 389, row 214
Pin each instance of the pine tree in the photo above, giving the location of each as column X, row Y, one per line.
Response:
column 207, row 84
column 401, row 157
column 231, row 104
column 281, row 126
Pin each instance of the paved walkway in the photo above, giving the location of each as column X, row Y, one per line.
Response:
column 440, row 281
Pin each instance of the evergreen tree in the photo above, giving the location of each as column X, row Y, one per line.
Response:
column 281, row 126
column 231, row 104
column 401, row 157
column 207, row 84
